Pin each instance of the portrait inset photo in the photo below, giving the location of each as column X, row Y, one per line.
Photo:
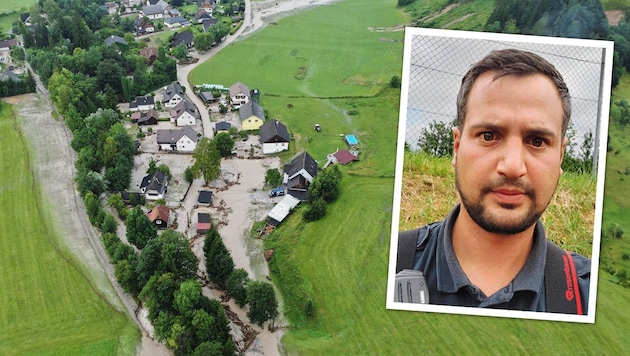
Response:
column 500, row 175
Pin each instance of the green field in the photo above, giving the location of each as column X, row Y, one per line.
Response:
column 47, row 305
column 10, row 12
column 325, row 61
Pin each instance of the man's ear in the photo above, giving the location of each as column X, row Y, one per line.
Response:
column 456, row 137
column 565, row 141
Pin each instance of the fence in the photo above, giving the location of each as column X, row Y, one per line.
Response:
column 435, row 65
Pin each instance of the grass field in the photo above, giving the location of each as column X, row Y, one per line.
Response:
column 12, row 9
column 47, row 306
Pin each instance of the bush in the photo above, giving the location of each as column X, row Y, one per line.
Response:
column 437, row 139
column 315, row 211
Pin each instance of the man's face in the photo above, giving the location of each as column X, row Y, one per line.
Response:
column 508, row 155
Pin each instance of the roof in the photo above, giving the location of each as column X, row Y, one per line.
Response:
column 222, row 126
column 9, row 75
column 238, row 88
column 185, row 37
column 142, row 100
column 176, row 19
column 274, row 131
column 172, row 136
column 251, row 109
column 206, row 96
column 151, row 115
column 344, row 157
column 161, row 212
column 185, row 106
column 173, row 89
column 351, row 139
column 155, row 181
column 206, row 23
column 205, row 197
column 283, row 208
column 302, row 161
column 115, row 39
column 8, row 43
column 148, row 52
column 203, row 218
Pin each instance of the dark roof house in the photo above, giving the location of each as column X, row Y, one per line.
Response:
column 299, row 174
column 185, row 37
column 274, row 131
column 113, row 39
column 9, row 75
column 149, row 118
column 154, row 186
column 205, row 197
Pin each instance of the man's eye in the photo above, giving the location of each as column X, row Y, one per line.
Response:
column 487, row 136
column 538, row 142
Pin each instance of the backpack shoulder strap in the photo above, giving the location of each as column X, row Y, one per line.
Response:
column 407, row 241
column 562, row 294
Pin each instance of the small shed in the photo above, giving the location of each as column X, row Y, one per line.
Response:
column 203, row 223
column 282, row 209
column 351, row 140
column 205, row 197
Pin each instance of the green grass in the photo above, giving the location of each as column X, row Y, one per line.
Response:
column 10, row 12
column 47, row 304
column 334, row 56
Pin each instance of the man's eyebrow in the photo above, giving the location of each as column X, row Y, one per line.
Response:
column 535, row 131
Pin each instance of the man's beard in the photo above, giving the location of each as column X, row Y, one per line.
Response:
column 494, row 223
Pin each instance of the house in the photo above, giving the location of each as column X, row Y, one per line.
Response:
column 208, row 23
column 142, row 103
column 175, row 22
column 172, row 12
column 142, row 26
column 185, row 37
column 149, row 118
column 111, row 7
column 206, row 5
column 341, row 156
column 182, row 140
column 113, row 39
column 274, row 137
column 207, row 97
column 154, row 186
column 299, row 174
column 173, row 95
column 201, row 15
column 133, row 198
column 160, row 215
column 184, row 113
column 153, row 12
column 150, row 53
column 222, row 126
column 7, row 75
column 282, row 209
column 252, row 116
column 239, row 94
column 6, row 45
column 204, row 223
column 205, row 197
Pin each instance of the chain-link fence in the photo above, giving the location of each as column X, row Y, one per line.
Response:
column 435, row 65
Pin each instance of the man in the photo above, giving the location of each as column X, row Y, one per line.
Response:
column 513, row 110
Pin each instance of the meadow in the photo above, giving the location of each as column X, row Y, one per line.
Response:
column 10, row 12
column 47, row 303
column 326, row 64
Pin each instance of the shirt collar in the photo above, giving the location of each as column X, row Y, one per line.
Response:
column 451, row 277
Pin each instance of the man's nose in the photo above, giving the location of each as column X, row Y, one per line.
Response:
column 512, row 160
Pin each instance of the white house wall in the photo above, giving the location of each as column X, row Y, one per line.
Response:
column 269, row 148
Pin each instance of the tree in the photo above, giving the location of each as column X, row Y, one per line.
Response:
column 325, row 185
column 180, row 51
column 207, row 160
column 125, row 273
column 262, row 302
column 188, row 175
column 395, row 82
column 219, row 263
column 109, row 224
column 187, row 296
column 437, row 140
column 139, row 228
column 90, row 182
column 237, row 284
column 224, row 143
column 273, row 177
column 315, row 211
column 204, row 41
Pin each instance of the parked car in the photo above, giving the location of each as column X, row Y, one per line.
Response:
column 276, row 192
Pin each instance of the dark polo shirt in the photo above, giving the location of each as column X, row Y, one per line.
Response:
column 449, row 285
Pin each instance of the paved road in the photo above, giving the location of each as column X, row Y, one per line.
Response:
column 183, row 71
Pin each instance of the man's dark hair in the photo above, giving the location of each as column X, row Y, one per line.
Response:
column 513, row 62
